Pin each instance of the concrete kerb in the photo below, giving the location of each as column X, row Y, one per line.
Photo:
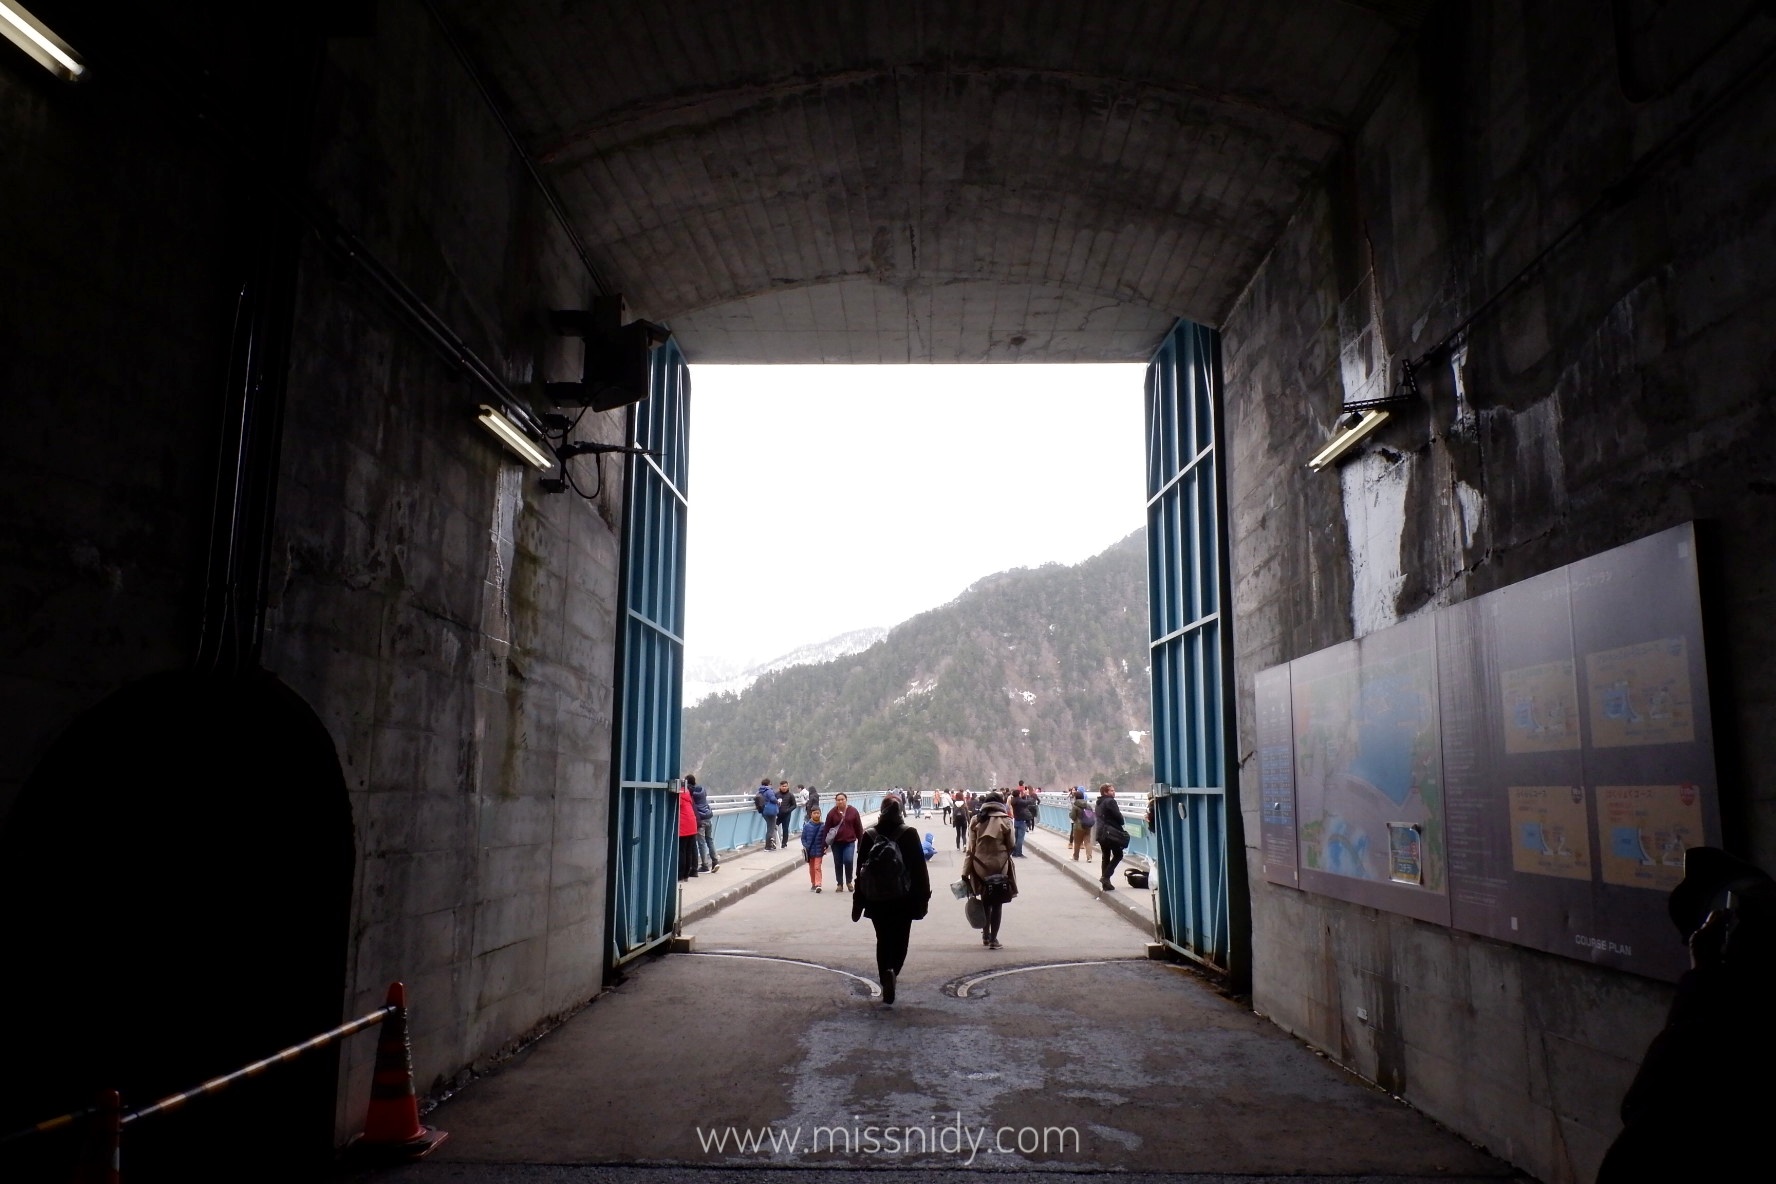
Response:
column 740, row 889
column 1136, row 905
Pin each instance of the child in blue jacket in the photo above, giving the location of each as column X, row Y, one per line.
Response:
column 813, row 847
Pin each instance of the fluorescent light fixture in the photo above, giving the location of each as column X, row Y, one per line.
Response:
column 513, row 437
column 35, row 38
column 1347, row 437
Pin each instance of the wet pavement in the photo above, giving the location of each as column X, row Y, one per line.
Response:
column 1067, row 1052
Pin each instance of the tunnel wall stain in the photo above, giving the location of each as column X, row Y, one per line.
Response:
column 452, row 623
column 1624, row 387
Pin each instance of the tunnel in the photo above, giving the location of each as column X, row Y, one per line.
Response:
column 349, row 351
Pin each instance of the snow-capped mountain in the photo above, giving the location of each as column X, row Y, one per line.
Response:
column 714, row 676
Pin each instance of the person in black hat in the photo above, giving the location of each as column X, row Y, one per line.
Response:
column 1698, row 1108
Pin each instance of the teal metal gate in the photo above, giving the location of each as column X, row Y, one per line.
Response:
column 1187, row 589
column 650, row 665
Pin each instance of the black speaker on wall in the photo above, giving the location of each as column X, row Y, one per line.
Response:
column 617, row 365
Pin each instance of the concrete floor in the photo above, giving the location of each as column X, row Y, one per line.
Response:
column 1131, row 1066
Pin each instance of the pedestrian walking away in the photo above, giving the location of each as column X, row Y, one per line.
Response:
column 843, row 828
column 1026, row 808
column 765, row 802
column 988, row 869
column 706, row 858
column 1083, row 819
column 1111, row 836
column 814, row 847
column 893, row 890
column 960, row 812
column 687, row 834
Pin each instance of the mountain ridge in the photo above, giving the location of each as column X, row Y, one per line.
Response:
column 1038, row 674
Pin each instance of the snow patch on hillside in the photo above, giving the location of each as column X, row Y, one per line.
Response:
column 706, row 676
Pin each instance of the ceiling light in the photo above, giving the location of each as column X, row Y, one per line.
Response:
column 1353, row 428
column 35, row 38
column 513, row 437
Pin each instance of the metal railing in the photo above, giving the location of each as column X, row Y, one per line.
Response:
column 108, row 1118
column 738, row 824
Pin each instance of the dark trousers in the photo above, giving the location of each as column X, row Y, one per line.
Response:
column 687, row 856
column 893, row 932
column 990, row 931
column 783, row 825
column 961, row 830
column 1112, row 857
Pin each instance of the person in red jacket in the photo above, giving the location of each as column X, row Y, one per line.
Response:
column 687, row 834
column 844, row 826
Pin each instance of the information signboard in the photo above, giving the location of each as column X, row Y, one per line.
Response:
column 1529, row 765
column 1276, row 777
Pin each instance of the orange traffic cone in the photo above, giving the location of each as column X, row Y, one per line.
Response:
column 392, row 1130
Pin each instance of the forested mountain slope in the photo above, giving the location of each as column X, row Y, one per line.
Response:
column 1038, row 674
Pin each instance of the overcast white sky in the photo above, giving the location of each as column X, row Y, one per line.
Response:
column 831, row 498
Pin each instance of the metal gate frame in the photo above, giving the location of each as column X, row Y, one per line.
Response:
column 649, row 680
column 1201, row 866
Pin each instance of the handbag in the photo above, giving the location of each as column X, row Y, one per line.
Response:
column 1111, row 834
column 996, row 889
column 976, row 912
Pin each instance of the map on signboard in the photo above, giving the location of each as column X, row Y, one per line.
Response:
column 1541, row 708
column 1643, row 831
column 1640, row 694
column 1366, row 755
column 1550, row 834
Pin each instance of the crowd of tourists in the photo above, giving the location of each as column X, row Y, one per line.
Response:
column 883, row 866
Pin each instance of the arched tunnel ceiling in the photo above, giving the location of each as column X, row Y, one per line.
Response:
column 977, row 180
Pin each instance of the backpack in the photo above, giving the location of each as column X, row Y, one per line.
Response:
column 1088, row 818
column 883, row 877
column 766, row 802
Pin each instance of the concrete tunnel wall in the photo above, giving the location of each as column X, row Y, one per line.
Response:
column 451, row 625
column 1625, row 387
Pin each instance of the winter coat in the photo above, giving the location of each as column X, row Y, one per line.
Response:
column 700, row 803
column 813, row 840
column 918, row 902
column 1106, row 811
column 786, row 802
column 990, row 840
column 687, row 815
column 844, row 828
column 764, row 799
column 1027, row 808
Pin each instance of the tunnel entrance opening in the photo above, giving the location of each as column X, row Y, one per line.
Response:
column 175, row 887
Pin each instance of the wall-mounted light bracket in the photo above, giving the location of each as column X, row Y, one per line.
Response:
column 18, row 26
column 1352, row 427
column 582, row 447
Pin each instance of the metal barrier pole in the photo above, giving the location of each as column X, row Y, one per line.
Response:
column 216, row 1084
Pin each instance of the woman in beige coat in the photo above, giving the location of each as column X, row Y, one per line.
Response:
column 990, row 843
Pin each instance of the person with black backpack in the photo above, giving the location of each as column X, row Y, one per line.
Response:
column 893, row 889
